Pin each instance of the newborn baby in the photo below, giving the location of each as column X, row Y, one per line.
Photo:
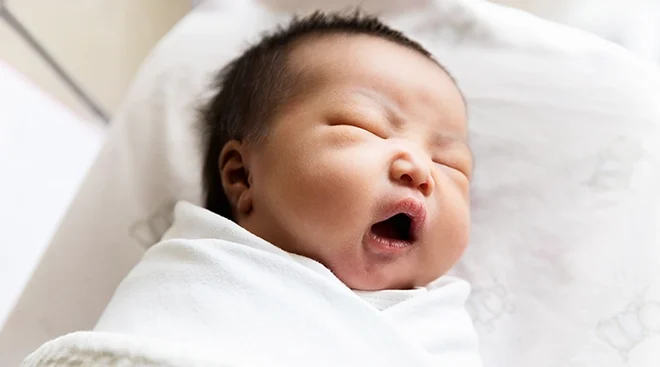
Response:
column 337, row 174
column 341, row 140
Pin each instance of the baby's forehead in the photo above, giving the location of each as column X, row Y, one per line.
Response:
column 352, row 68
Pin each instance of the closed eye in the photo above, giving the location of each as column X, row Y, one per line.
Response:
column 461, row 165
column 370, row 128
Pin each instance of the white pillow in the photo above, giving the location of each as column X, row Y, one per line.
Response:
column 564, row 256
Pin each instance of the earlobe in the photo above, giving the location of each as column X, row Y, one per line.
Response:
column 235, row 177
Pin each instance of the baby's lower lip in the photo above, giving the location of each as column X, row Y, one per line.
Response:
column 387, row 245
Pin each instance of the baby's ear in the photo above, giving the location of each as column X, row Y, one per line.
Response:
column 234, row 175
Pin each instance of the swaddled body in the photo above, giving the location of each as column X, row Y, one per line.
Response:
column 212, row 293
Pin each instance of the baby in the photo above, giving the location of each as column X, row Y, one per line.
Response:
column 338, row 148
column 341, row 140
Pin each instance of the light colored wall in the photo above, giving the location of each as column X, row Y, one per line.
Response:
column 100, row 43
column 45, row 150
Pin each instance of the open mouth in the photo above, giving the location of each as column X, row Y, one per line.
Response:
column 397, row 228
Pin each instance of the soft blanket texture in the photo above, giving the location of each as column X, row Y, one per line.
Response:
column 212, row 293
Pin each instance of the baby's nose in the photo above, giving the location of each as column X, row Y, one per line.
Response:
column 412, row 171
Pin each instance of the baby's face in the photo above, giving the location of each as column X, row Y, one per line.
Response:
column 379, row 131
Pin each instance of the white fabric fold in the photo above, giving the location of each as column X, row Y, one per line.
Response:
column 212, row 293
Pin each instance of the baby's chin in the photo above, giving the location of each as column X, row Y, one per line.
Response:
column 365, row 279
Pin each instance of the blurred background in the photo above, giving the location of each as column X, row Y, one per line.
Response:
column 99, row 44
column 64, row 66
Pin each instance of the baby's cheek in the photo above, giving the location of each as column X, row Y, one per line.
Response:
column 335, row 188
column 330, row 176
column 455, row 227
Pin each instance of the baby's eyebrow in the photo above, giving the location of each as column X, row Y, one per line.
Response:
column 391, row 108
column 397, row 118
column 443, row 138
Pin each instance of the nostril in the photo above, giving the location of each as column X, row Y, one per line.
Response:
column 406, row 178
column 410, row 181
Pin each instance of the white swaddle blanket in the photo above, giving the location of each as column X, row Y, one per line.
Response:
column 212, row 293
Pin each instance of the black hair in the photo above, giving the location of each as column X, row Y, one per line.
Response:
column 252, row 87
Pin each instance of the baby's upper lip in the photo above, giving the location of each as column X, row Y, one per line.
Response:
column 415, row 210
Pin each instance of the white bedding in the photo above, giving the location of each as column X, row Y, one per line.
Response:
column 565, row 251
column 213, row 294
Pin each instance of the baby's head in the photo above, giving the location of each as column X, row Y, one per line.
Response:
column 339, row 139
